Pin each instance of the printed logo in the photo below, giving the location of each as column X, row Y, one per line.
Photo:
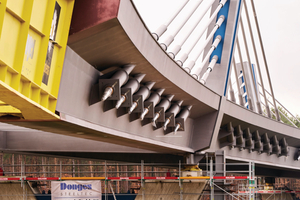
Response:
column 78, row 187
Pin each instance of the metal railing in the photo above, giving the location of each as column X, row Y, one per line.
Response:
column 250, row 84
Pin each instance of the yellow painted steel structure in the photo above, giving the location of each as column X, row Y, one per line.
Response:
column 29, row 83
column 7, row 109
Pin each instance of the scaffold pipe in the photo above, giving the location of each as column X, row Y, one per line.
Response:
column 125, row 178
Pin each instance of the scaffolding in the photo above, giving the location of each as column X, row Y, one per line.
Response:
column 138, row 175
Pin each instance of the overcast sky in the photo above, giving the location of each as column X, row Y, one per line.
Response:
column 280, row 28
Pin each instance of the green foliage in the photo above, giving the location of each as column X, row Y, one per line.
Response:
column 285, row 118
column 6, row 156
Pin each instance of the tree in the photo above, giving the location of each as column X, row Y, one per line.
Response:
column 286, row 118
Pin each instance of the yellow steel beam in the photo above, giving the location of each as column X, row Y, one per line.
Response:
column 25, row 29
column 8, row 109
column 29, row 108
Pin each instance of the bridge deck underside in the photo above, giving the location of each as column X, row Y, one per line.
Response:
column 125, row 39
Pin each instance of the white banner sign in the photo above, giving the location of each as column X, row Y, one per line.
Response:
column 76, row 190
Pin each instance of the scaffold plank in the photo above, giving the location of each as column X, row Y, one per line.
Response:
column 41, row 178
column 130, row 178
column 194, row 177
column 230, row 177
column 82, row 178
column 123, row 178
column 269, row 191
column 10, row 179
column 161, row 178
